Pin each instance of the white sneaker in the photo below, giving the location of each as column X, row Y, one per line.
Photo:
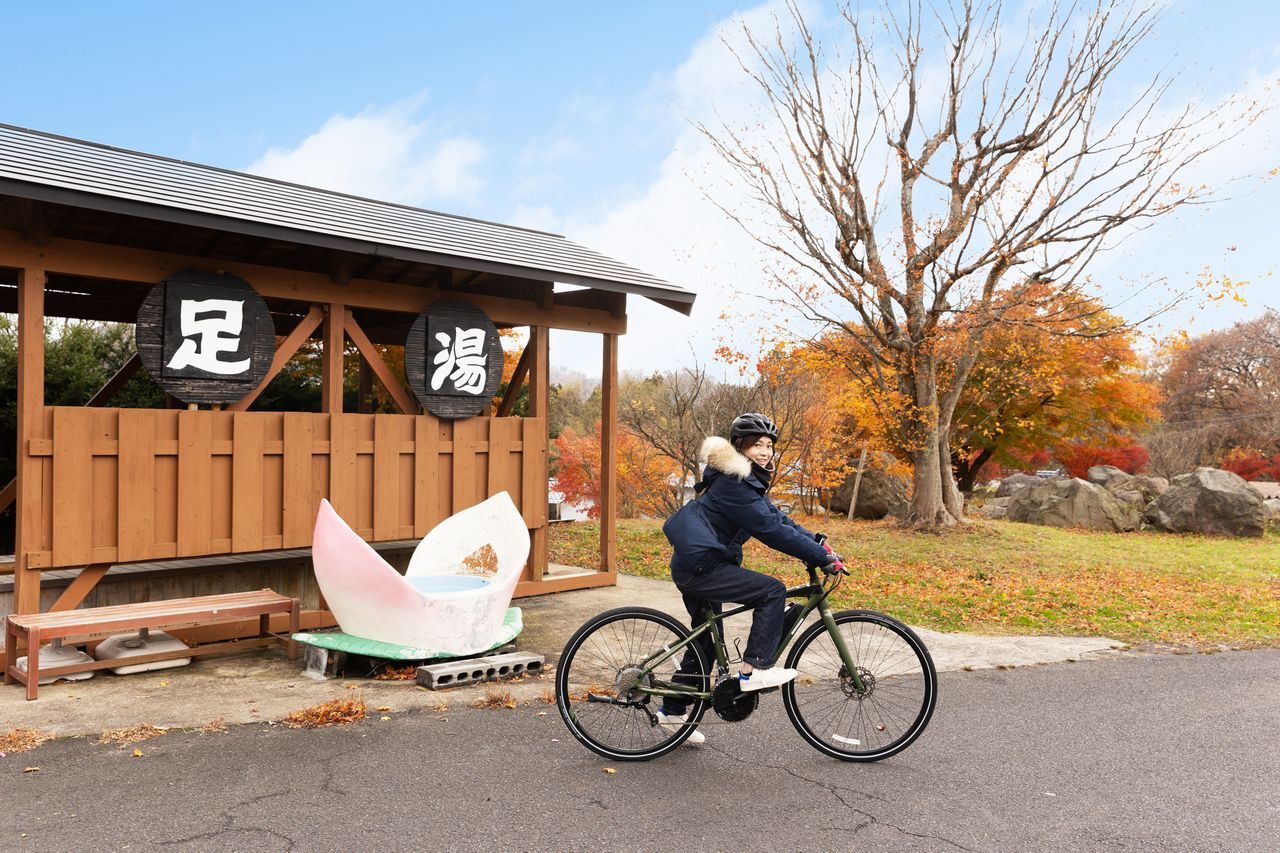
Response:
column 672, row 723
column 762, row 679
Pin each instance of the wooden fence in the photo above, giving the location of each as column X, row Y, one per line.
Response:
column 124, row 485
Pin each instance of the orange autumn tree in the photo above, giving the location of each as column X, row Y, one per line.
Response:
column 648, row 481
column 1054, row 373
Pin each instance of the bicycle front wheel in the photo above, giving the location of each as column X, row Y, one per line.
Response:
column 597, row 677
column 899, row 687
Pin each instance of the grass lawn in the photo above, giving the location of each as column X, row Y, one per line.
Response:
column 1001, row 577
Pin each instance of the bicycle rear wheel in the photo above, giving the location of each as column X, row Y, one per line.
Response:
column 899, row 680
column 595, row 681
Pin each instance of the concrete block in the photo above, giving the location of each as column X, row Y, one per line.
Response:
column 474, row 670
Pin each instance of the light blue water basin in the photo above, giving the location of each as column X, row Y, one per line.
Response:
column 435, row 584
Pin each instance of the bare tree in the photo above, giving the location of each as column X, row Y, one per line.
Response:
column 1222, row 391
column 938, row 167
column 675, row 411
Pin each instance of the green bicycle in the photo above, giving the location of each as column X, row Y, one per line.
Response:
column 866, row 686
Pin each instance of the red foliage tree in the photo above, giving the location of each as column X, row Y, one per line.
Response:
column 1079, row 458
column 1252, row 465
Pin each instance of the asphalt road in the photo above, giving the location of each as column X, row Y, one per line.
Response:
column 1166, row 752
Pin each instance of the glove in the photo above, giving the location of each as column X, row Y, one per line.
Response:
column 836, row 564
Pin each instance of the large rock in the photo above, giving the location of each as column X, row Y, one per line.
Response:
column 880, row 493
column 994, row 508
column 1271, row 512
column 1073, row 503
column 1138, row 489
column 1015, row 483
column 1101, row 475
column 1208, row 500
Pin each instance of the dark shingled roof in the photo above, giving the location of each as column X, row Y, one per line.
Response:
column 58, row 169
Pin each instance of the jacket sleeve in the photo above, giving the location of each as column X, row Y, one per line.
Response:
column 753, row 513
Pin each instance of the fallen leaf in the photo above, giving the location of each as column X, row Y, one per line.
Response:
column 164, row 684
column 31, row 770
column 542, row 713
column 384, row 707
column 137, row 753
column 384, row 717
column 610, row 771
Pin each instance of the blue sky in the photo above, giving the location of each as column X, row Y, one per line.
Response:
column 567, row 116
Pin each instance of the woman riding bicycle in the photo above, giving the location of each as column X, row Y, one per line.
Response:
column 707, row 535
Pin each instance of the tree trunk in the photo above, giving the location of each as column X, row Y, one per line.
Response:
column 935, row 500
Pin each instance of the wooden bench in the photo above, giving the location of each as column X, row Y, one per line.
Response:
column 36, row 628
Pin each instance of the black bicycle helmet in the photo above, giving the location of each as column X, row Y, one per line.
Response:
column 752, row 423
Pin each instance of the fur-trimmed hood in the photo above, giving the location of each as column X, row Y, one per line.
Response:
column 721, row 455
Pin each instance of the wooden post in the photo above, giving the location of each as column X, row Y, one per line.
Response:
column 335, row 342
column 609, row 455
column 857, row 482
column 539, row 400
column 29, row 519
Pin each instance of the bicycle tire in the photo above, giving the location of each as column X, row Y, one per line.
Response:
column 594, row 662
column 884, row 720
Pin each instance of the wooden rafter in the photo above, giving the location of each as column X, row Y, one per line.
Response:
column 403, row 400
column 115, row 383
column 516, row 383
column 285, row 352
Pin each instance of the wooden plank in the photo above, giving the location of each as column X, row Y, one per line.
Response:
column 504, row 436
column 342, row 463
column 195, row 515
column 532, row 438
column 98, row 260
column 246, row 482
column 386, row 470
column 589, row 580
column 284, row 352
column 426, row 473
column 331, row 374
column 72, row 485
column 136, row 527
column 29, row 524
column 403, row 399
column 465, row 468
column 299, row 515
column 609, row 455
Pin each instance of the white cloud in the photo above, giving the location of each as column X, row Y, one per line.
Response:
column 387, row 154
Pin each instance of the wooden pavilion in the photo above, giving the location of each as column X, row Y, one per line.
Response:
column 86, row 230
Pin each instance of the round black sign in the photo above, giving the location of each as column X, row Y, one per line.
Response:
column 453, row 359
column 205, row 337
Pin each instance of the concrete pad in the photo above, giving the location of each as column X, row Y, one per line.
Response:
column 265, row 686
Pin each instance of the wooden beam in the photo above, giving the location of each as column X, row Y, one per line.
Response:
column 335, row 345
column 539, row 404
column 539, row 371
column 8, row 494
column 404, row 400
column 115, row 383
column 284, row 352
column 28, row 522
column 79, row 588
column 98, row 260
column 609, row 455
column 516, row 383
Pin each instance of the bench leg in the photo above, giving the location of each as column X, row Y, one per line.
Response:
column 33, row 664
column 264, row 625
column 295, row 624
column 10, row 651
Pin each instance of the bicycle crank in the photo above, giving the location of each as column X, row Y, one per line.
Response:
column 730, row 703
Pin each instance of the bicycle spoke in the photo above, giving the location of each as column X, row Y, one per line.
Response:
column 896, row 696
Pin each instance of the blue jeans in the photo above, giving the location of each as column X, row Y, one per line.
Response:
column 718, row 584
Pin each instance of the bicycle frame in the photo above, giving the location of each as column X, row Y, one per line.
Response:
column 816, row 594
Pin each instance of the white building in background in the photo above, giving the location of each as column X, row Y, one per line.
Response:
column 558, row 509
